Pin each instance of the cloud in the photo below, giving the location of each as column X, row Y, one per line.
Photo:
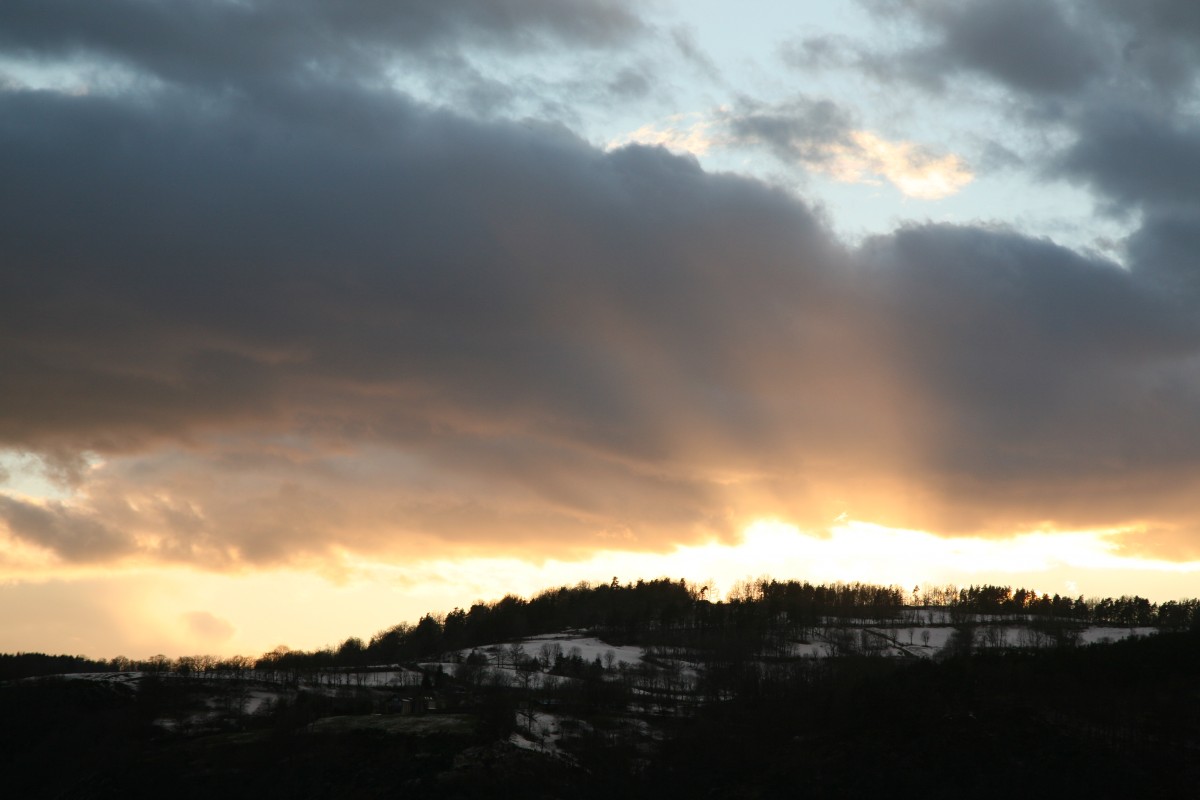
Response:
column 58, row 528
column 821, row 136
column 1097, row 94
column 277, row 51
column 1028, row 44
column 325, row 318
column 1051, row 56
column 1158, row 41
column 196, row 41
column 685, row 42
column 1143, row 162
column 821, row 52
column 680, row 133
column 1043, row 48
column 816, row 135
column 1135, row 156
column 800, row 129
column 909, row 167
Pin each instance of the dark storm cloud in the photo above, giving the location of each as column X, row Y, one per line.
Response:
column 276, row 51
column 328, row 316
column 1167, row 247
column 1043, row 48
column 1029, row 44
column 1167, row 17
column 390, row 245
column 1136, row 156
column 1050, row 50
column 1143, row 159
column 202, row 41
column 1039, row 332
column 175, row 272
column 1159, row 39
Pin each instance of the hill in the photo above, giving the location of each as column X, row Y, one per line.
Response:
column 649, row 689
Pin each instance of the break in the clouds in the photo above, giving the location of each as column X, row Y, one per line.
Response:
column 820, row 136
column 1114, row 83
column 260, row 304
column 813, row 136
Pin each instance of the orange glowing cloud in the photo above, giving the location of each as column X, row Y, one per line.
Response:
column 681, row 133
column 907, row 166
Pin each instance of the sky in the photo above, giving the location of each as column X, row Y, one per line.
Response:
column 315, row 316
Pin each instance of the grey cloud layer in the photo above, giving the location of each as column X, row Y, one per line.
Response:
column 263, row 48
column 324, row 315
column 1049, row 48
column 198, row 40
column 1030, row 44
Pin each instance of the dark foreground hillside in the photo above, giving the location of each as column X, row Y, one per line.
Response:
column 81, row 739
column 1117, row 720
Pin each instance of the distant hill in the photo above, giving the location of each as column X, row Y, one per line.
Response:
column 648, row 689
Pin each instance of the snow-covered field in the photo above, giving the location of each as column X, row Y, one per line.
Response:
column 928, row 641
column 681, row 668
column 377, row 677
column 129, row 678
column 589, row 648
column 659, row 680
column 1101, row 634
column 541, row 732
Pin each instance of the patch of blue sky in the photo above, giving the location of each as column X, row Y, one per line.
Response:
column 25, row 475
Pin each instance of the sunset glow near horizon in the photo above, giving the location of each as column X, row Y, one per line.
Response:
column 318, row 317
column 141, row 611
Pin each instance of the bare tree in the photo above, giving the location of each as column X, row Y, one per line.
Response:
column 549, row 654
column 516, row 654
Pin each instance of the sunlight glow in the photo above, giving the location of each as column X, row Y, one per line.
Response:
column 861, row 157
column 679, row 133
column 907, row 166
column 1086, row 561
column 142, row 610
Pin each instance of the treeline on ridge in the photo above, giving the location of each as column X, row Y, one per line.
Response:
column 660, row 612
column 670, row 612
